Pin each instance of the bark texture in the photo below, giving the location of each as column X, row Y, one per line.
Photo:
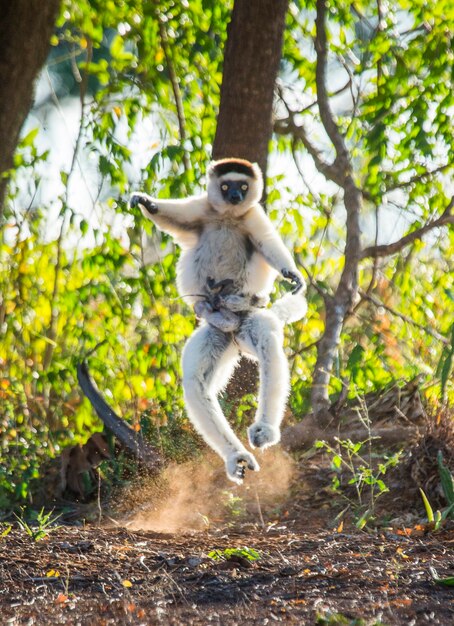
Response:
column 25, row 30
column 251, row 63
column 339, row 305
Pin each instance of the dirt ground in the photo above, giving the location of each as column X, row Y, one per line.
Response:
column 190, row 548
column 114, row 576
column 312, row 569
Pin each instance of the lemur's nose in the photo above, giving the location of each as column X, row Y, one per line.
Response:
column 235, row 196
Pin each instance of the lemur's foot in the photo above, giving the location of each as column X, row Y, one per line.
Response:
column 263, row 435
column 237, row 463
column 144, row 201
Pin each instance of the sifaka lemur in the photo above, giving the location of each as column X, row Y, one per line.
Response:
column 231, row 254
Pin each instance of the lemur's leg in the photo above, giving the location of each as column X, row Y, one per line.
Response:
column 261, row 335
column 208, row 361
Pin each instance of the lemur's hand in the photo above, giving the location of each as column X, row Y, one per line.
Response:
column 143, row 201
column 295, row 278
column 202, row 308
column 235, row 302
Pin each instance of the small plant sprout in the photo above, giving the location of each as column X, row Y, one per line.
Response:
column 366, row 479
column 249, row 554
column 5, row 530
column 234, row 504
column 356, row 459
column 436, row 519
column 43, row 524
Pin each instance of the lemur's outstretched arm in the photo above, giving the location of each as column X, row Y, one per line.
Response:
column 267, row 241
column 175, row 217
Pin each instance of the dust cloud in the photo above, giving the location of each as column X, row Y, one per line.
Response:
column 197, row 495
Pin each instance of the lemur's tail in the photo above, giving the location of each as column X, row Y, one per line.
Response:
column 291, row 307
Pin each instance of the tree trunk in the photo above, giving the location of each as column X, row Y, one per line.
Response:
column 25, row 29
column 251, row 63
column 338, row 306
column 245, row 124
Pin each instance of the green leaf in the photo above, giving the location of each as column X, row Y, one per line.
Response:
column 448, row 581
column 30, row 137
column 427, row 506
column 446, row 478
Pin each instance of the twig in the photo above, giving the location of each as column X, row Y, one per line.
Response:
column 310, row 106
column 52, row 330
column 305, row 348
column 313, row 283
column 259, row 509
column 392, row 248
column 288, row 126
column 176, row 90
column 98, row 498
column 419, row 177
column 51, row 333
column 375, row 301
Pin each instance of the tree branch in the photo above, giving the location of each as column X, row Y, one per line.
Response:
column 324, row 107
column 288, row 126
column 176, row 91
column 392, row 248
column 314, row 103
column 337, row 308
column 419, row 177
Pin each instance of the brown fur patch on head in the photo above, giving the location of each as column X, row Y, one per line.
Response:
column 241, row 166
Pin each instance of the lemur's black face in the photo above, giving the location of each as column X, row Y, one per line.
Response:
column 234, row 191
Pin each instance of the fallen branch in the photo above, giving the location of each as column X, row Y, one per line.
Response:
column 124, row 433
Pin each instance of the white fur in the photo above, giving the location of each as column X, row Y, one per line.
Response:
column 290, row 308
column 221, row 241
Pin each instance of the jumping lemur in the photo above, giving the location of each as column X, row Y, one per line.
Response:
column 231, row 254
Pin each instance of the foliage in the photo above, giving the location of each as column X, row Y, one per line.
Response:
column 390, row 81
column 356, row 464
column 5, row 530
column 446, row 479
column 42, row 524
column 329, row 618
column 249, row 554
column 73, row 269
column 447, row 483
column 234, row 504
column 448, row 581
column 361, row 474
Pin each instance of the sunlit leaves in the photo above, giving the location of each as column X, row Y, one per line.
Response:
column 393, row 81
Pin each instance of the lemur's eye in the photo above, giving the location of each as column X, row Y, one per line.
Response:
column 244, row 187
column 224, row 187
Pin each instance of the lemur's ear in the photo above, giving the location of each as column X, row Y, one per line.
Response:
column 211, row 168
column 257, row 171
